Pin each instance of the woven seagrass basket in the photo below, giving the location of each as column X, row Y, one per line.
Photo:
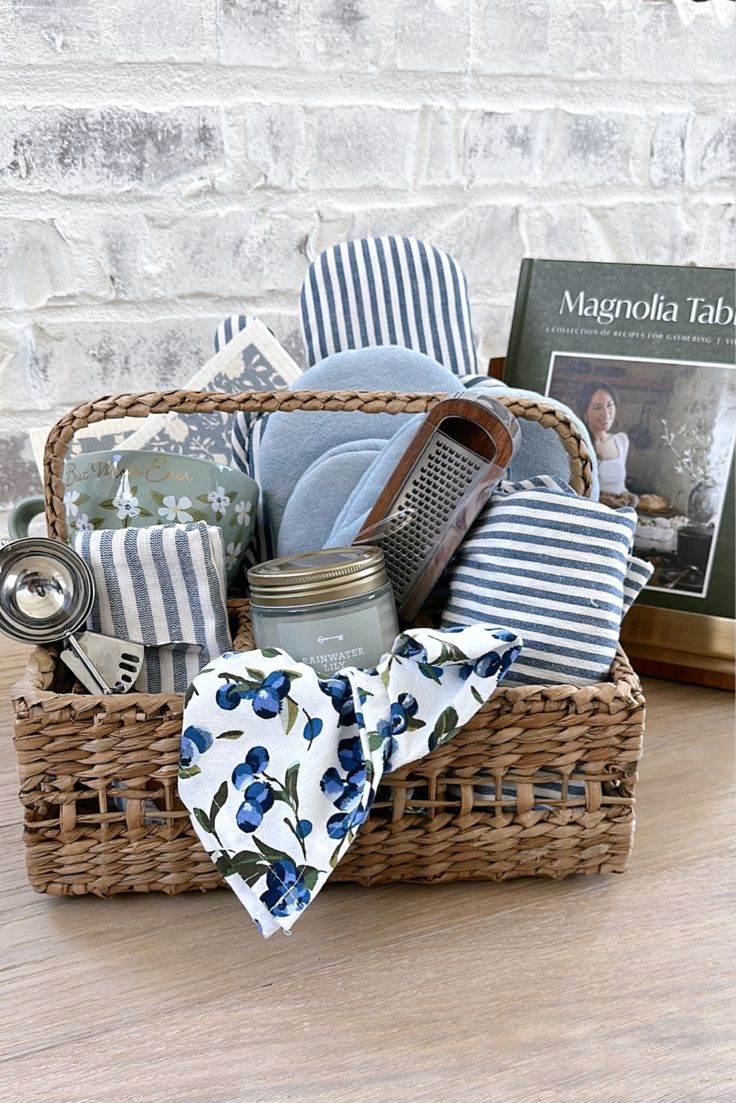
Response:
column 98, row 775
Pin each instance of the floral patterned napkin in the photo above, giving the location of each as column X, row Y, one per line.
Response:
column 279, row 767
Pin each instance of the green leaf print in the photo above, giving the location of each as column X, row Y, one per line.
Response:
column 290, row 785
column 449, row 652
column 445, row 727
column 192, row 691
column 269, row 852
column 432, row 672
column 292, row 712
column 203, row 819
column 248, row 865
column 188, row 771
column 375, row 741
column 218, row 801
column 310, row 876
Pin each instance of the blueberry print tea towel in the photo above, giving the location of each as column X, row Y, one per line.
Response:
column 279, row 767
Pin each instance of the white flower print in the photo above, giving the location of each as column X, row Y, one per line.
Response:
column 178, row 429
column 83, row 523
column 70, row 502
column 218, row 499
column 126, row 505
column 232, row 554
column 243, row 511
column 175, row 511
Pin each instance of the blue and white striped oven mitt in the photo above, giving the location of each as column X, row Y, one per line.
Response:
column 279, row 768
column 162, row 586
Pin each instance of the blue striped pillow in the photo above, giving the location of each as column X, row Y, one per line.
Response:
column 388, row 291
column 554, row 567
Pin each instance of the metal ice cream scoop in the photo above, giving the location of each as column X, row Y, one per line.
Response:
column 46, row 594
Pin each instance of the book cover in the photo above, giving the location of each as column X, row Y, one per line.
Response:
column 645, row 355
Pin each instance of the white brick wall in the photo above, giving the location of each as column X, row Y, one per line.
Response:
column 162, row 164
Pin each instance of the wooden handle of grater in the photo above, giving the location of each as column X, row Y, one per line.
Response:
column 482, row 432
column 476, row 426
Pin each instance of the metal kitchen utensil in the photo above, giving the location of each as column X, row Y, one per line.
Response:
column 441, row 483
column 46, row 594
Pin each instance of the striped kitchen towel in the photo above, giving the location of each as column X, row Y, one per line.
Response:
column 230, row 327
column 164, row 587
column 388, row 291
column 554, row 567
column 547, row 793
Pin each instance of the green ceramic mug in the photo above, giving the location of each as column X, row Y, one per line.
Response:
column 112, row 490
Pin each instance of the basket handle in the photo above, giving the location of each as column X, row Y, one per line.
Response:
column 266, row 402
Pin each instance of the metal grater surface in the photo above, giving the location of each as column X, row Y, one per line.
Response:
column 444, row 473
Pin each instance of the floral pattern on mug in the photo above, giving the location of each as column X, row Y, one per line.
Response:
column 243, row 511
column 172, row 509
column 279, row 768
column 127, row 506
column 139, row 503
column 72, row 500
column 219, row 500
column 233, row 553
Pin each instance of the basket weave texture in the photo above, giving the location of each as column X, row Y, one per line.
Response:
column 98, row 775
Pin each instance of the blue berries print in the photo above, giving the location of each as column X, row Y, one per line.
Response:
column 258, row 800
column 492, row 664
column 279, row 768
column 194, row 742
column 485, row 667
column 286, row 892
column 350, row 755
column 350, row 793
column 403, row 713
column 339, row 827
column 312, row 728
column 266, row 693
column 339, row 691
column 256, row 761
column 258, row 795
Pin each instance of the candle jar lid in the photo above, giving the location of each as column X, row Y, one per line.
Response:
column 318, row 577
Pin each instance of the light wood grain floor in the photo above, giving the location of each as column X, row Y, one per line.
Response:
column 601, row 990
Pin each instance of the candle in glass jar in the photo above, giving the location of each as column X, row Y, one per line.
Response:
column 329, row 609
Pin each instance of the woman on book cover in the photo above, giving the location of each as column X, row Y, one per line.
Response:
column 598, row 408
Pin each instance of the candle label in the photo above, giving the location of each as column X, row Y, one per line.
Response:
column 348, row 638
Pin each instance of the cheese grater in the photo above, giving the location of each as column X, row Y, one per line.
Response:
column 436, row 491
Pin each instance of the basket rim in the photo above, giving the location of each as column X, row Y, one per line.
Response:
column 623, row 686
column 143, row 404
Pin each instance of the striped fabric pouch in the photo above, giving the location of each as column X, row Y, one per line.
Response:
column 164, row 587
column 554, row 567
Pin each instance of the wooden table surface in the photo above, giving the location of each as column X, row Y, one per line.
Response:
column 615, row 989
